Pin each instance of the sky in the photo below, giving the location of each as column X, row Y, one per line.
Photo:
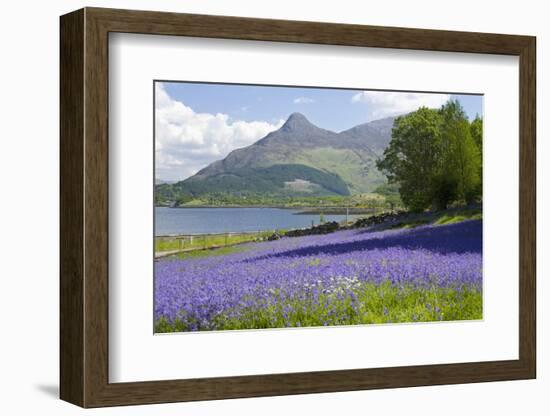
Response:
column 198, row 123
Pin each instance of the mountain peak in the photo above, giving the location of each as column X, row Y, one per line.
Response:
column 297, row 116
column 296, row 120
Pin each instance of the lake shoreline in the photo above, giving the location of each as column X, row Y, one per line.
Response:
column 303, row 210
column 224, row 206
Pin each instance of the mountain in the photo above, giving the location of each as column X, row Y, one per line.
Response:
column 377, row 132
column 297, row 159
column 161, row 181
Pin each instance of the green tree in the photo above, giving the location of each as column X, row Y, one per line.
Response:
column 434, row 157
column 460, row 154
column 183, row 199
column 413, row 158
column 476, row 130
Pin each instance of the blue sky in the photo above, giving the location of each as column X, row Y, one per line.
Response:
column 331, row 109
column 198, row 123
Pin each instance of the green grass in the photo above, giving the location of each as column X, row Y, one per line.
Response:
column 201, row 242
column 366, row 303
column 458, row 216
column 441, row 218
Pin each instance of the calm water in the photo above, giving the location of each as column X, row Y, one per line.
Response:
column 223, row 220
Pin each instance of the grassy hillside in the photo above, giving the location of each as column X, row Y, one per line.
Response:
column 355, row 167
column 273, row 180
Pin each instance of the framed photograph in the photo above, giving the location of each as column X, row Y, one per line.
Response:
column 255, row 207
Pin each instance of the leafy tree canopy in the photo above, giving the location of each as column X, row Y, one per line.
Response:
column 435, row 157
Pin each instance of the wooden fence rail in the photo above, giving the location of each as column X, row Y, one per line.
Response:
column 166, row 245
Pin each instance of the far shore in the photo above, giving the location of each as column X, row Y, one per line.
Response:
column 304, row 210
column 226, row 206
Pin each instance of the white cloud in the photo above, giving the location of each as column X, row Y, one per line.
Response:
column 303, row 100
column 187, row 141
column 382, row 104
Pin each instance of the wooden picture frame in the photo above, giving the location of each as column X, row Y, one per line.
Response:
column 84, row 207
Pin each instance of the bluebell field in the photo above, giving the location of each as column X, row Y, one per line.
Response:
column 363, row 276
